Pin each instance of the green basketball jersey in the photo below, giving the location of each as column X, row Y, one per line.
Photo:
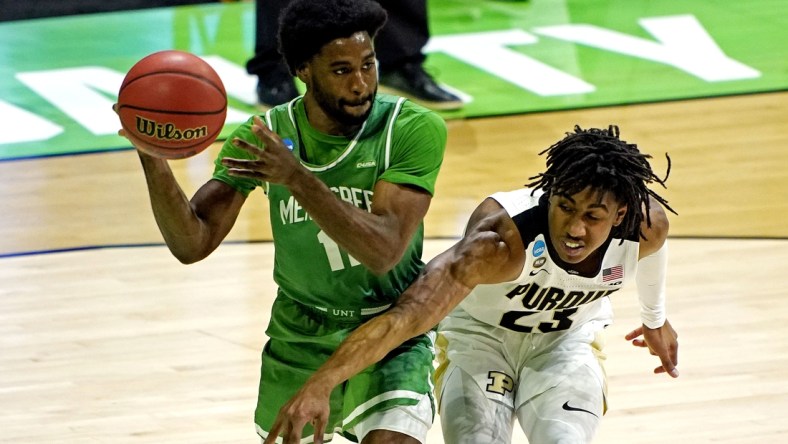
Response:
column 401, row 143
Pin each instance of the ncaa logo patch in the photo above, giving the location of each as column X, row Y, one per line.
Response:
column 288, row 144
column 538, row 249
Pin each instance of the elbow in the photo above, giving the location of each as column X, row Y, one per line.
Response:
column 660, row 224
column 188, row 256
column 189, row 249
column 381, row 266
column 384, row 262
column 186, row 259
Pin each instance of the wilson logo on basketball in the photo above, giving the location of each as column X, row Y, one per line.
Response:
column 168, row 131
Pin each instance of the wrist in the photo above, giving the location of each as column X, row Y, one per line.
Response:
column 150, row 160
column 322, row 382
column 300, row 180
column 653, row 323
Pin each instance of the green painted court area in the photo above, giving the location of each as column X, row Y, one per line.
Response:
column 60, row 76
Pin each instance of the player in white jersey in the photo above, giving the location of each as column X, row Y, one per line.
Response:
column 530, row 346
column 540, row 265
column 529, row 285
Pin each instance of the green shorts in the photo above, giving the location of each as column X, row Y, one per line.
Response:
column 301, row 339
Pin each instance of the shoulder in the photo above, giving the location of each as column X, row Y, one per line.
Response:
column 281, row 118
column 415, row 131
column 519, row 200
column 654, row 235
column 414, row 117
column 242, row 131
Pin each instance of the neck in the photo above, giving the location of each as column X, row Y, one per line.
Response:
column 324, row 123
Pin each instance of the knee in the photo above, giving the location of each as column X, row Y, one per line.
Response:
column 552, row 431
column 469, row 423
column 381, row 436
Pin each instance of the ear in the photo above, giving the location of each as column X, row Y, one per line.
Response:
column 304, row 73
column 620, row 213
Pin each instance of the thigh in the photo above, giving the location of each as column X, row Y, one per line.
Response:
column 468, row 415
column 568, row 412
column 395, row 394
column 299, row 344
column 552, row 359
column 279, row 381
column 399, row 425
column 389, row 437
column 479, row 350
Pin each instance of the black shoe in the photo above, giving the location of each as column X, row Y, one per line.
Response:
column 413, row 82
column 273, row 90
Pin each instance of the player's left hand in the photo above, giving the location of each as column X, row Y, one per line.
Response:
column 310, row 405
column 661, row 342
column 273, row 160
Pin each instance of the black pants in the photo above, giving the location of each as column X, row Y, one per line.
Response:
column 399, row 42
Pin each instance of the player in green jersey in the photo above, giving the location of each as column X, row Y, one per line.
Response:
column 349, row 175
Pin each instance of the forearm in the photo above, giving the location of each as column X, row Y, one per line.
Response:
column 651, row 277
column 370, row 238
column 180, row 227
column 481, row 257
column 418, row 310
column 365, row 346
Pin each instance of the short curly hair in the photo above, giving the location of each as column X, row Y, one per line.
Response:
column 305, row 26
column 599, row 159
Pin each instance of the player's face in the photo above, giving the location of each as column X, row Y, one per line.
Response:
column 581, row 223
column 343, row 80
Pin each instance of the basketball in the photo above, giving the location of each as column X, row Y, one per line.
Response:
column 172, row 104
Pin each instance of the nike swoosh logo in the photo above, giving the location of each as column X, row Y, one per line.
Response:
column 535, row 272
column 569, row 408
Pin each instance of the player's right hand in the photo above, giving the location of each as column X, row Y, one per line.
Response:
column 310, row 405
column 274, row 162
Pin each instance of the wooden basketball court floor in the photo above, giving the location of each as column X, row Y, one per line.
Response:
column 123, row 344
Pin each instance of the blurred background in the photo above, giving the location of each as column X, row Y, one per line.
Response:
column 104, row 337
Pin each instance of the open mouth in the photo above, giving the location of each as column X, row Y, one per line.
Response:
column 572, row 248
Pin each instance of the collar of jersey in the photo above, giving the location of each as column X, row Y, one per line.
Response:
column 297, row 106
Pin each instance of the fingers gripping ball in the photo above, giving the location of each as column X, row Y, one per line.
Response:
column 172, row 104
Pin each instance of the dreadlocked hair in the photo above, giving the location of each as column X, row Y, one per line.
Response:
column 598, row 159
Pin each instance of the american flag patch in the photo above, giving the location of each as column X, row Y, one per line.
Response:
column 613, row 273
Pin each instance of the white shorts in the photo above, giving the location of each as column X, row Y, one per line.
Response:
column 413, row 420
column 554, row 383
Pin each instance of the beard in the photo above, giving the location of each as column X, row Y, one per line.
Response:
column 335, row 108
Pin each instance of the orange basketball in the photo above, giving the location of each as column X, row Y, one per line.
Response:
column 172, row 104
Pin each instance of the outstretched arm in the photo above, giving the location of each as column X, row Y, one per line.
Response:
column 658, row 335
column 491, row 251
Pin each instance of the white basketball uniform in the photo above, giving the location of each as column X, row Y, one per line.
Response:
column 531, row 346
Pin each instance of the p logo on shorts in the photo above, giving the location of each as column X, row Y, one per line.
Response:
column 500, row 383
